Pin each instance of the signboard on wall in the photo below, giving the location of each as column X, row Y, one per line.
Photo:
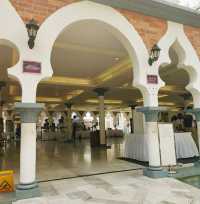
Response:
column 31, row 67
column 152, row 79
column 167, row 144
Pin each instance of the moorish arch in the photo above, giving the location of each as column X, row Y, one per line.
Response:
column 187, row 57
column 118, row 25
column 16, row 33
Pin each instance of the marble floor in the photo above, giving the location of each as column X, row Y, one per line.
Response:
column 116, row 188
column 57, row 160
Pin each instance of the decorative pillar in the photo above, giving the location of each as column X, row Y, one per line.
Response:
column 100, row 92
column 27, row 184
column 69, row 120
column 151, row 130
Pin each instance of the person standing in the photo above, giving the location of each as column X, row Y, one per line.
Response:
column 74, row 127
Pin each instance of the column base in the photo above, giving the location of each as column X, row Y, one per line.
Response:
column 197, row 163
column 155, row 172
column 25, row 191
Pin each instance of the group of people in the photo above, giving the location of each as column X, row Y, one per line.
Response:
column 77, row 125
column 183, row 122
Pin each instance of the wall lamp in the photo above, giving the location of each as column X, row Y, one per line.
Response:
column 32, row 28
column 154, row 54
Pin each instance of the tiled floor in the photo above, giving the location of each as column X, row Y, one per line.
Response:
column 116, row 188
column 56, row 159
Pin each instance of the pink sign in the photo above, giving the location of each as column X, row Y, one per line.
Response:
column 152, row 79
column 31, row 67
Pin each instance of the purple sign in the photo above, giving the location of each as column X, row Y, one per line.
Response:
column 31, row 67
column 152, row 79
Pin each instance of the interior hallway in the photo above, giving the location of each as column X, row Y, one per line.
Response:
column 56, row 159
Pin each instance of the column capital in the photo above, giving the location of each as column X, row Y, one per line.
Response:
column 101, row 91
column 196, row 112
column 132, row 105
column 151, row 113
column 2, row 84
column 68, row 104
column 29, row 111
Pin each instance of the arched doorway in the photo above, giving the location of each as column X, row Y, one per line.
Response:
column 90, row 51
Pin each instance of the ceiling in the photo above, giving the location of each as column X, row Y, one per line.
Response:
column 87, row 55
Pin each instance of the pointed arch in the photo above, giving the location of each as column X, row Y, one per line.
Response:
column 188, row 59
column 118, row 24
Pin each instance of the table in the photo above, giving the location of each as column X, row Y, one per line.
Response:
column 136, row 146
column 185, row 145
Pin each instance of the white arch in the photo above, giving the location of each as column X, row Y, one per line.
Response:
column 14, row 30
column 188, row 58
column 119, row 26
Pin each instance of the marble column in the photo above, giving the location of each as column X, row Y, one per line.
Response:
column 27, row 186
column 100, row 92
column 151, row 130
column 69, row 120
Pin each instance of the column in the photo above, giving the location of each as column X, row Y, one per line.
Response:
column 27, row 184
column 69, row 120
column 100, row 92
column 9, row 125
column 2, row 85
column 151, row 130
column 132, row 106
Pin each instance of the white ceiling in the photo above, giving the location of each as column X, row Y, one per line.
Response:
column 86, row 49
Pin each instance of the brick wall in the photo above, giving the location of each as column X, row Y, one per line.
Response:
column 194, row 35
column 151, row 29
column 39, row 9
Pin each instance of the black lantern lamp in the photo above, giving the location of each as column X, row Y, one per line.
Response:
column 154, row 55
column 32, row 28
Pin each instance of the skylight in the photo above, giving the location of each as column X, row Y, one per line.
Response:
column 192, row 4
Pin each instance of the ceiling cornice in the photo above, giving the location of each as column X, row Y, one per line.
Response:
column 88, row 49
column 157, row 8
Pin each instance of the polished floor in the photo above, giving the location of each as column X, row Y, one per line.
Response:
column 57, row 160
column 116, row 188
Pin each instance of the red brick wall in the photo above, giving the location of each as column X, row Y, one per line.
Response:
column 151, row 29
column 39, row 9
column 194, row 36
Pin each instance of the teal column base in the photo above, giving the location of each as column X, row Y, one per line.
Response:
column 197, row 163
column 25, row 191
column 155, row 172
